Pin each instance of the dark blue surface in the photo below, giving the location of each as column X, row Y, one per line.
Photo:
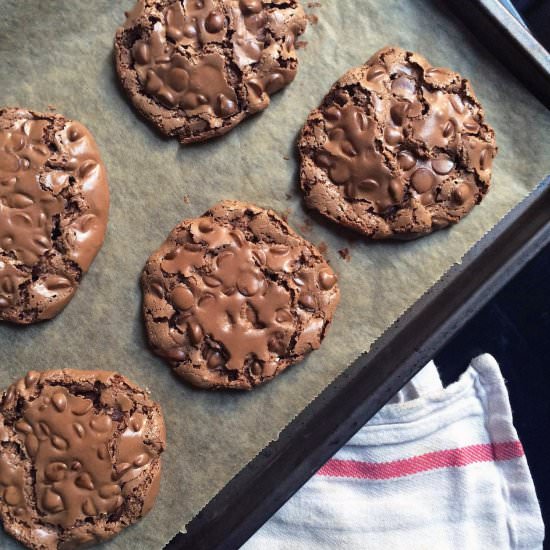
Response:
column 509, row 5
column 536, row 13
column 515, row 328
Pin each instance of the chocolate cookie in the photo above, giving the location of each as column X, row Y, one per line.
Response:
column 54, row 202
column 233, row 298
column 398, row 148
column 196, row 68
column 80, row 457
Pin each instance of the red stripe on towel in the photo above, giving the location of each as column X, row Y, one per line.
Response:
column 451, row 458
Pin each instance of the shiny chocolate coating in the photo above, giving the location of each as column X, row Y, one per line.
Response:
column 80, row 457
column 54, row 202
column 398, row 148
column 234, row 297
column 196, row 68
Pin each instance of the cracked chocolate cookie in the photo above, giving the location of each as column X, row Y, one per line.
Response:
column 233, row 298
column 196, row 68
column 398, row 148
column 54, row 202
column 80, row 457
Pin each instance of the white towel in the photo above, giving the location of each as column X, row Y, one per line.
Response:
column 437, row 469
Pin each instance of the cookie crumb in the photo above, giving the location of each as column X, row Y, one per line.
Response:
column 312, row 18
column 345, row 254
column 306, row 227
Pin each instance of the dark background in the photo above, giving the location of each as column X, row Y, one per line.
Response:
column 536, row 13
column 515, row 328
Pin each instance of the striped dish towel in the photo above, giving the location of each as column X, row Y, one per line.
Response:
column 435, row 469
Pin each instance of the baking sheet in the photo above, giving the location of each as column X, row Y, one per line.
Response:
column 60, row 53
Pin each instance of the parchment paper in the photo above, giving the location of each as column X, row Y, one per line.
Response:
column 60, row 53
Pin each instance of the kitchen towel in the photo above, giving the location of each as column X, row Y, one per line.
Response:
column 436, row 468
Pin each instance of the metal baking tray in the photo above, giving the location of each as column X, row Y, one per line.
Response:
column 267, row 482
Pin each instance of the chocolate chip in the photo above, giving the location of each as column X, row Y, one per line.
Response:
column 214, row 22
column 442, row 166
column 423, row 180
column 406, row 160
column 327, row 279
column 376, row 72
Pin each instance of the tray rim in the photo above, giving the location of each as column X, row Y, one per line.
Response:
column 509, row 41
column 526, row 58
